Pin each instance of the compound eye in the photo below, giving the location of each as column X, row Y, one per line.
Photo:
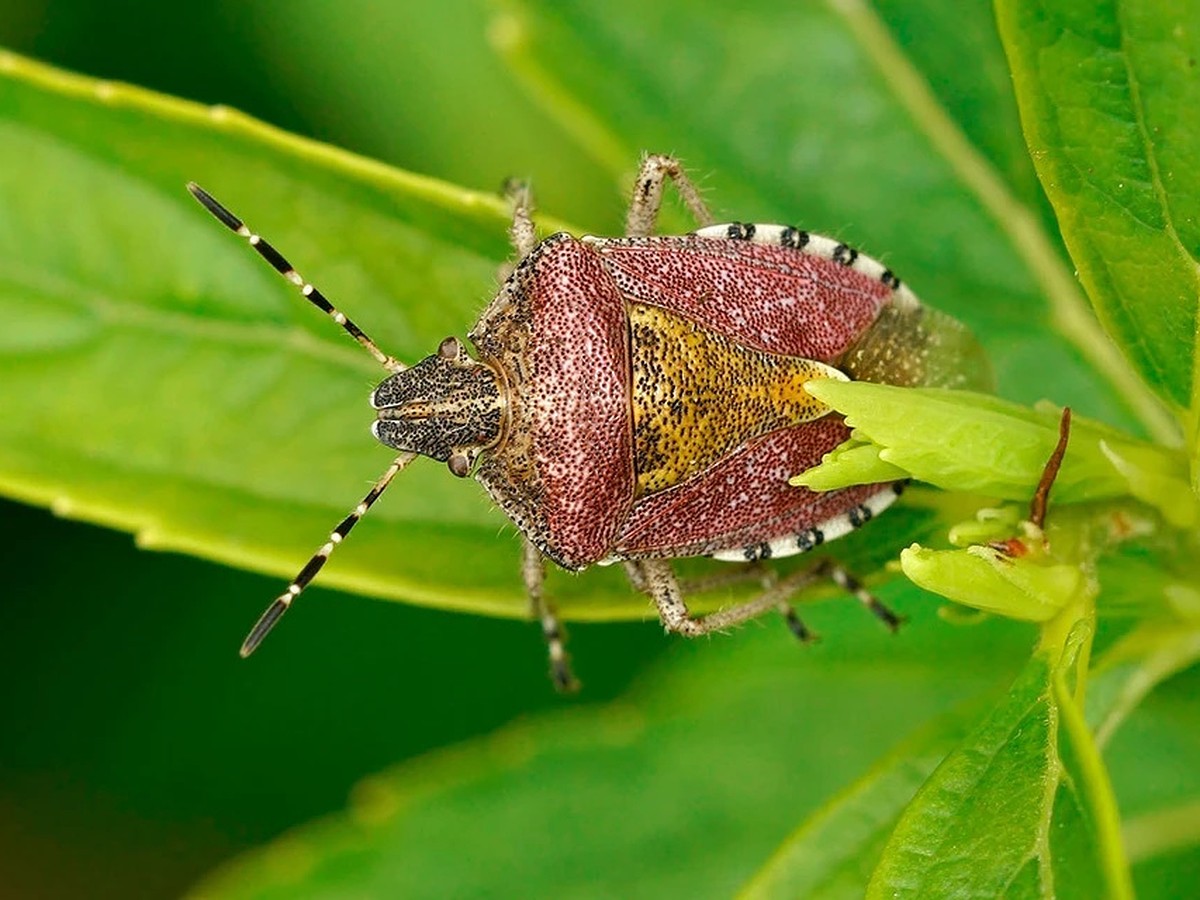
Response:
column 450, row 348
column 459, row 465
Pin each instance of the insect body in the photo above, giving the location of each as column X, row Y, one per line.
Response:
column 642, row 398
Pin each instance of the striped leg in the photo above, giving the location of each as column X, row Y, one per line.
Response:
column 284, row 601
column 752, row 571
column 656, row 578
column 523, row 234
column 284, row 268
column 648, row 191
column 851, row 585
column 533, row 569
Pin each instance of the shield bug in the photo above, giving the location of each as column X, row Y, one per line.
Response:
column 638, row 399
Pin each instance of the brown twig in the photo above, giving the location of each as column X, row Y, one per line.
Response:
column 1037, row 506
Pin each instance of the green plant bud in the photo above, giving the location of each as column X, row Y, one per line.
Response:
column 988, row 579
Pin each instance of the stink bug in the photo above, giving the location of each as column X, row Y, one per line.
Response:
column 642, row 398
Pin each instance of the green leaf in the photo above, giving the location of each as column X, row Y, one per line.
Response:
column 159, row 377
column 790, row 129
column 1023, row 808
column 1108, row 93
column 980, row 444
column 960, row 58
column 1151, row 755
column 1152, row 763
column 854, row 462
column 1127, row 671
column 451, row 107
column 680, row 788
column 1153, row 770
column 834, row 852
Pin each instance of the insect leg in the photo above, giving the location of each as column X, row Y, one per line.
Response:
column 533, row 569
column 521, row 232
column 648, row 190
column 828, row 568
column 656, row 578
column 768, row 578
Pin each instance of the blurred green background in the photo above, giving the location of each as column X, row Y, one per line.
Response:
column 138, row 750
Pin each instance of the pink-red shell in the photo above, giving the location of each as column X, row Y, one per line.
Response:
column 559, row 333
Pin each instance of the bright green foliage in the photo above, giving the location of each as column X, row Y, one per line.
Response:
column 116, row 285
column 892, row 126
column 1022, row 807
column 980, row 444
column 1108, row 92
column 834, row 852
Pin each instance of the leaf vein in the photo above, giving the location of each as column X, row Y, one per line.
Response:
column 115, row 310
column 1068, row 306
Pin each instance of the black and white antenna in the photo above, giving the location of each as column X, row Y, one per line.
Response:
column 284, row 601
column 285, row 268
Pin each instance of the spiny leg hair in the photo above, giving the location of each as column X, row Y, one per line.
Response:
column 657, row 578
column 284, row 268
column 648, row 193
column 765, row 576
column 284, row 601
column 533, row 569
column 521, row 231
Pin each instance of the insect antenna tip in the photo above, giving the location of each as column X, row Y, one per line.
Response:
column 264, row 625
column 209, row 202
